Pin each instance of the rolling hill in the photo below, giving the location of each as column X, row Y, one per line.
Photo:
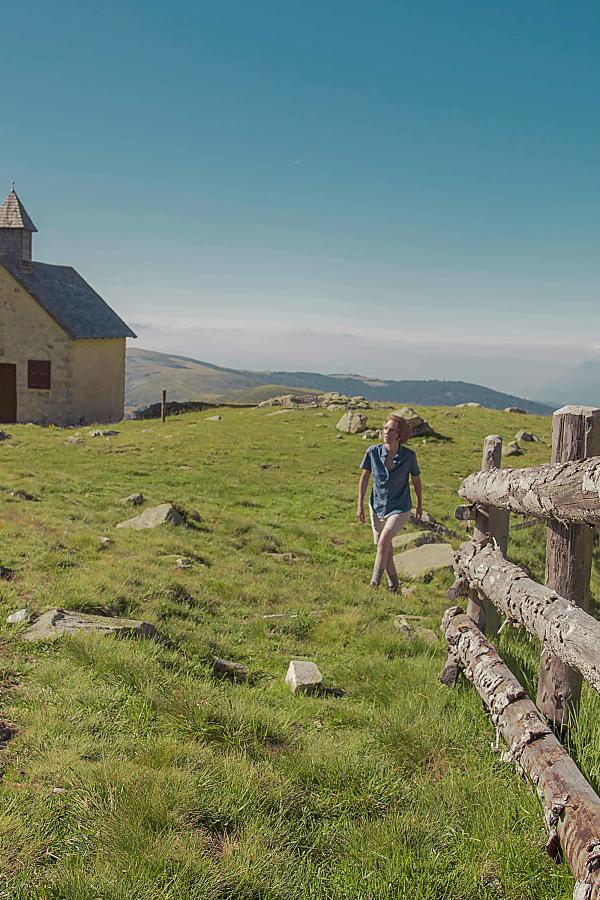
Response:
column 149, row 372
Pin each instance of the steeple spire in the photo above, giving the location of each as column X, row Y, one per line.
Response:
column 16, row 229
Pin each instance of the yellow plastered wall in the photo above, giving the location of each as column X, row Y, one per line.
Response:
column 87, row 376
column 98, row 393
column 28, row 332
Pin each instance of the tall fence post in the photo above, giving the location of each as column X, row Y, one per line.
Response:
column 163, row 406
column 490, row 523
column 575, row 435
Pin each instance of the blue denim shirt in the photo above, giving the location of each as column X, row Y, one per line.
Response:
column 391, row 491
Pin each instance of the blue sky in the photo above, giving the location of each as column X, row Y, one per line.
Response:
column 337, row 185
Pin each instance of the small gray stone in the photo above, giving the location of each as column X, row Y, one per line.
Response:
column 513, row 449
column 105, row 541
column 134, row 499
column 352, row 423
column 56, row 622
column 515, row 409
column 213, row 418
column 371, row 434
column 102, row 432
column 74, row 439
column 16, row 618
column 303, row 676
column 233, row 670
column 418, row 426
column 165, row 514
column 184, row 563
column 525, row 436
column 422, row 561
column 471, row 404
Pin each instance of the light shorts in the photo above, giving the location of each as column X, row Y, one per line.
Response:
column 393, row 523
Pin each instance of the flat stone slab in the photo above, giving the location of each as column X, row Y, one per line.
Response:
column 165, row 514
column 422, row 561
column 56, row 622
column 303, row 677
column 414, row 539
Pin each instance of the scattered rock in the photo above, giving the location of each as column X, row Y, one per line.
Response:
column 525, row 436
column 18, row 617
column 134, row 499
column 56, row 622
column 418, row 426
column 102, row 432
column 232, row 670
column 372, row 434
column 213, row 418
column 184, row 563
column 414, row 539
column 165, row 514
column 352, row 423
column 105, row 541
column 22, row 495
column 74, row 439
column 303, row 677
column 513, row 449
column 471, row 404
column 411, row 630
column 280, row 412
column 515, row 409
column 424, row 560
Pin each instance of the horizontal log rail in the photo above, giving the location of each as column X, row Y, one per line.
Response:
column 569, row 632
column 572, row 808
column 568, row 492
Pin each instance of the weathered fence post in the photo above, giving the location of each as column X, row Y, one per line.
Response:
column 490, row 523
column 575, row 435
column 163, row 406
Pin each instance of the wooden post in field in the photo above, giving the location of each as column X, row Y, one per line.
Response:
column 575, row 435
column 163, row 406
column 490, row 524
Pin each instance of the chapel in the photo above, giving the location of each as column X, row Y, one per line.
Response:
column 62, row 347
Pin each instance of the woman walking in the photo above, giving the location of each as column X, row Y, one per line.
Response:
column 389, row 464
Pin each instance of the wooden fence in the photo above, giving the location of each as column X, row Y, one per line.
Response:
column 565, row 494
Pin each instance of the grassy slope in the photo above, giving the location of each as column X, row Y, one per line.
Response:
column 136, row 774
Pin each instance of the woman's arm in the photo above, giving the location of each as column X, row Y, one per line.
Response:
column 362, row 490
column 416, row 480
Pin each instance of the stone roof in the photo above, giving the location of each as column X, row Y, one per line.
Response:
column 14, row 215
column 69, row 300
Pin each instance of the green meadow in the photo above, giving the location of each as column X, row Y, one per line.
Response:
column 131, row 772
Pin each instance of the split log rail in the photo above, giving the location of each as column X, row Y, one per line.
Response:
column 565, row 495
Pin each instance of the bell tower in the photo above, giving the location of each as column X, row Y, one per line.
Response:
column 16, row 230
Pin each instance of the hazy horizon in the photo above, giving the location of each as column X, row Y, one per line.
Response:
column 262, row 350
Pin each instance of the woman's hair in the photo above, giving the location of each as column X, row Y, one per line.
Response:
column 404, row 431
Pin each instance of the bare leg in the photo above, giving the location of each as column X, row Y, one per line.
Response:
column 390, row 569
column 383, row 555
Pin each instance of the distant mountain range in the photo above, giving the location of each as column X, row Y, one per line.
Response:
column 149, row 372
column 579, row 385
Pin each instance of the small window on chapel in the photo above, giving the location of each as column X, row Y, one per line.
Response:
column 38, row 374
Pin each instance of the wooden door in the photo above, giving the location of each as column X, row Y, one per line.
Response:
column 8, row 392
